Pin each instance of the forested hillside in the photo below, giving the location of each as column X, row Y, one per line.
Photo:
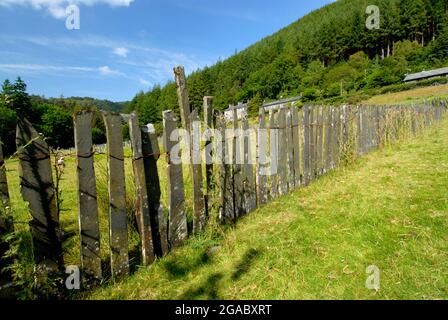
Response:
column 328, row 54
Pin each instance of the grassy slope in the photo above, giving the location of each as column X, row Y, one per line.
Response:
column 389, row 209
column 410, row 96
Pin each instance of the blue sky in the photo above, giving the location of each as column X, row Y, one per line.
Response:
column 124, row 46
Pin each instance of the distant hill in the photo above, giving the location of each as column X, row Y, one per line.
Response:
column 327, row 54
column 85, row 102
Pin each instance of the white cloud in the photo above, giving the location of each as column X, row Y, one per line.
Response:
column 144, row 82
column 121, row 52
column 57, row 7
column 152, row 63
column 59, row 69
column 107, row 71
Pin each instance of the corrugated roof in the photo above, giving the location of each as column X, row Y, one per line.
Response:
column 426, row 74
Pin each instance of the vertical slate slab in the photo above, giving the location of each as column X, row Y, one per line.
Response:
column 208, row 121
column 339, row 126
column 37, row 188
column 237, row 160
column 195, row 168
column 227, row 210
column 327, row 139
column 367, row 142
column 366, row 132
column 117, row 197
column 360, row 131
column 142, row 202
column 290, row 150
column 295, row 127
column 151, row 153
column 282, row 153
column 313, row 140
column 6, row 221
column 333, row 137
column 305, row 145
column 319, row 141
column 89, row 229
column 177, row 218
column 262, row 148
column 273, row 154
column 250, row 196
column 199, row 218
column 377, row 125
column 344, row 132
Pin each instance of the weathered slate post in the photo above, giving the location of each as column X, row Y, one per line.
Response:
column 199, row 210
column 273, row 154
column 6, row 221
column 344, row 133
column 250, row 196
column 319, row 145
column 195, row 168
column 151, row 154
column 37, row 188
column 305, row 145
column 295, row 125
column 117, row 197
column 338, row 134
column 327, row 139
column 313, row 140
column 208, row 121
column 227, row 210
column 237, row 160
column 360, row 131
column 333, row 137
column 262, row 142
column 142, row 201
column 282, row 153
column 290, row 150
column 177, row 225
column 89, row 230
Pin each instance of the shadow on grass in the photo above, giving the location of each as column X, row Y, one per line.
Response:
column 181, row 267
column 246, row 262
column 209, row 289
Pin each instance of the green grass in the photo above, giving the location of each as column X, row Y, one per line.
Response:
column 389, row 209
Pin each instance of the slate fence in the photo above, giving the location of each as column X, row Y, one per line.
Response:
column 292, row 147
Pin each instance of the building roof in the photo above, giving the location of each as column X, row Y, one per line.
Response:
column 426, row 74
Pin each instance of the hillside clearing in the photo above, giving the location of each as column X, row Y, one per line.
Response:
column 389, row 209
column 410, row 96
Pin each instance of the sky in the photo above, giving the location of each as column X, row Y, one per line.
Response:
column 124, row 46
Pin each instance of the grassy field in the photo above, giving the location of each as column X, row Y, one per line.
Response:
column 410, row 96
column 389, row 209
